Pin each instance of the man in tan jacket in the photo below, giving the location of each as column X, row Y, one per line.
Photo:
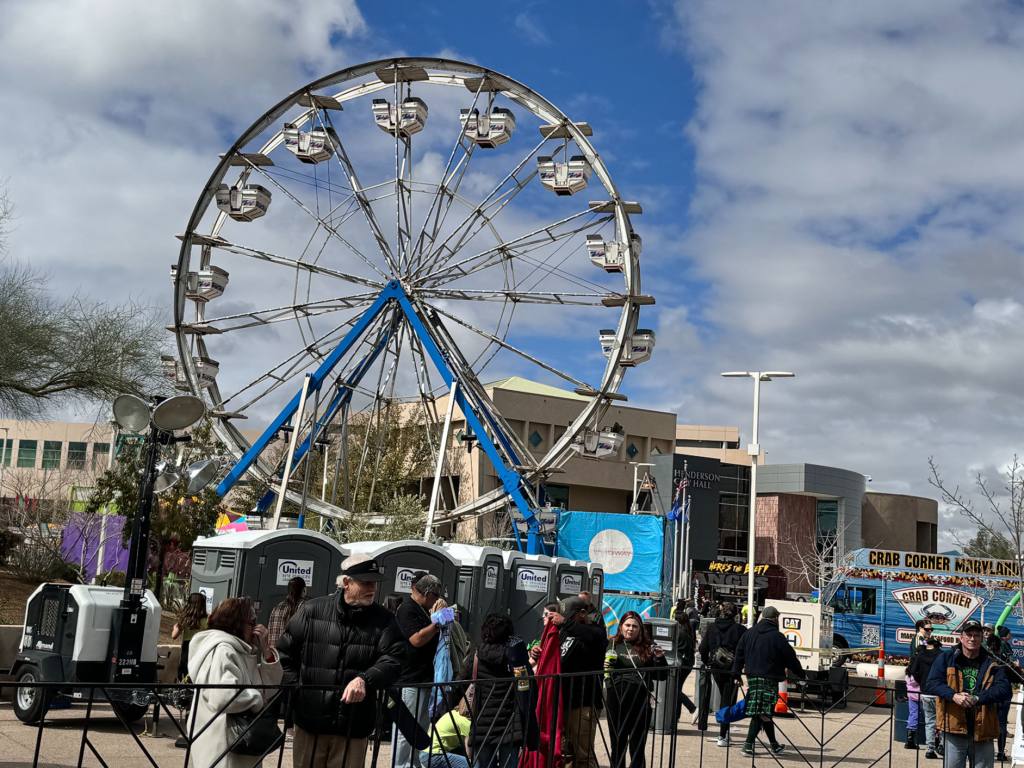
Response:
column 969, row 685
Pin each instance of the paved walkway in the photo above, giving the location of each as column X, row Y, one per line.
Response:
column 850, row 737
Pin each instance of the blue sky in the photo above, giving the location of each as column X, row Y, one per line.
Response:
column 833, row 189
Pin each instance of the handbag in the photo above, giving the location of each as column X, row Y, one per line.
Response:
column 723, row 657
column 254, row 733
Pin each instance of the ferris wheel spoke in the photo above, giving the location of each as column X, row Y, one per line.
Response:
column 511, row 348
column 261, row 317
column 514, row 248
column 508, row 440
column 443, row 192
column 444, row 252
column 333, row 230
column 282, row 372
column 359, row 192
column 583, row 299
column 430, row 416
column 273, row 258
column 373, row 421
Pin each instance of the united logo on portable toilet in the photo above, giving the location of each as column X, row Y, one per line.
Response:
column 288, row 569
column 404, row 578
column 491, row 577
column 570, row 584
column 532, row 580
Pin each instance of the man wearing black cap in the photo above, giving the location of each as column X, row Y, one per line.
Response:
column 583, row 646
column 341, row 649
column 969, row 685
column 420, row 617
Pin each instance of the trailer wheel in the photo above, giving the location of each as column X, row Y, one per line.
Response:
column 31, row 702
column 131, row 713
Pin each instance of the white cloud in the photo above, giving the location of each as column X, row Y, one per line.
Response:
column 857, row 219
column 530, row 30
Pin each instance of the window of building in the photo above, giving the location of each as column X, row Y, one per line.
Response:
column 828, row 522
column 27, row 454
column 77, row 455
column 557, row 495
column 100, row 455
column 7, row 448
column 51, row 454
column 733, row 510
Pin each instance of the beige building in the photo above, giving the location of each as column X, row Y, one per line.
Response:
column 900, row 522
column 540, row 414
column 44, row 460
column 713, row 442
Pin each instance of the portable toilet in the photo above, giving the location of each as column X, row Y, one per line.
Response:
column 530, row 586
column 571, row 577
column 401, row 559
column 259, row 565
column 480, row 590
column 597, row 583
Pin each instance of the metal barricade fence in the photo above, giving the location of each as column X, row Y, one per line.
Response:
column 604, row 719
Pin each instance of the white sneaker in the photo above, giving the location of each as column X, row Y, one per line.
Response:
column 723, row 742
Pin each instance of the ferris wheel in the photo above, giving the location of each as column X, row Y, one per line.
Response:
column 395, row 235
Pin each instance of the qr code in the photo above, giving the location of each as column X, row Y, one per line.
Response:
column 871, row 636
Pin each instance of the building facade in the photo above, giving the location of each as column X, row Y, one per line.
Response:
column 44, row 461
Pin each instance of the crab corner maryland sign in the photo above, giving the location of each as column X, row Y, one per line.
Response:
column 946, row 608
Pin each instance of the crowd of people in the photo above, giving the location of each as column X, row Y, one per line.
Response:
column 354, row 667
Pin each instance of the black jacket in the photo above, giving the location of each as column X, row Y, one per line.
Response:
column 765, row 652
column 583, row 647
column 502, row 701
column 330, row 643
column 626, row 681
column 723, row 633
column 921, row 664
column 685, row 650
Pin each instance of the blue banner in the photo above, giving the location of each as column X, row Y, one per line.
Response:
column 628, row 546
column 617, row 605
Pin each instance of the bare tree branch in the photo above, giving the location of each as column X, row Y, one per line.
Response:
column 1000, row 517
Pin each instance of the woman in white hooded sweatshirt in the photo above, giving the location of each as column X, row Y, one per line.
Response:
column 232, row 651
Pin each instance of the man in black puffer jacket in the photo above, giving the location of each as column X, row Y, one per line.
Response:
column 717, row 651
column 351, row 648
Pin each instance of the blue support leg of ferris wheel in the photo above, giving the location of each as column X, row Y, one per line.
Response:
column 512, row 481
column 510, row 478
column 316, row 381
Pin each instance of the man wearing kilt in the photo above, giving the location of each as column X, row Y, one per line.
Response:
column 765, row 655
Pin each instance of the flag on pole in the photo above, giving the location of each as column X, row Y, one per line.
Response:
column 677, row 503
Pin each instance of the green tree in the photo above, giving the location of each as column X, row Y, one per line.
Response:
column 178, row 518
column 986, row 543
column 55, row 350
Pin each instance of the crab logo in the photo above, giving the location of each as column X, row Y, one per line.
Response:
column 937, row 613
column 947, row 609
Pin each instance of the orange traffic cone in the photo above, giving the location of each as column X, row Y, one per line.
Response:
column 782, row 703
column 880, row 694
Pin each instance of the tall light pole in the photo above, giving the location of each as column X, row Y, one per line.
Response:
column 754, row 450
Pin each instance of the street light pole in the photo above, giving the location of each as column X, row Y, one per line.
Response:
column 754, row 451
